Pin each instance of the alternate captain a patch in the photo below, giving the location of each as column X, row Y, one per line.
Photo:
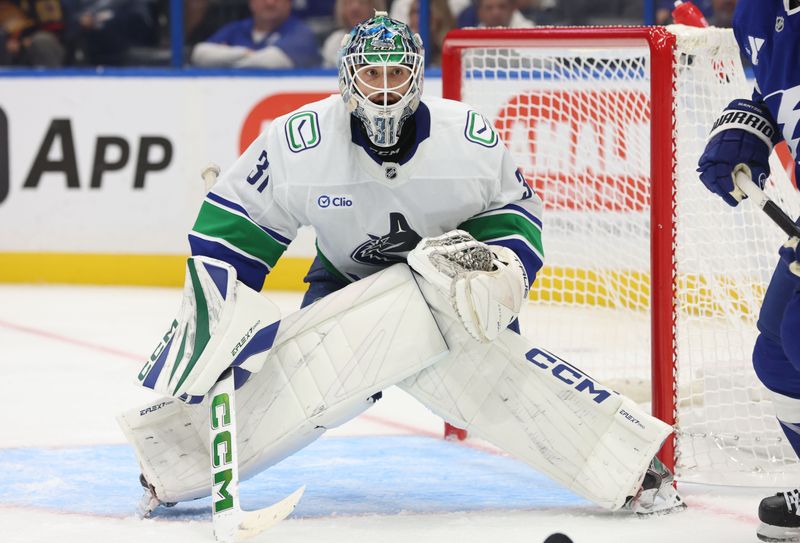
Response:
column 302, row 131
column 479, row 130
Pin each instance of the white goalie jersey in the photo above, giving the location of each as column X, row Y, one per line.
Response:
column 310, row 168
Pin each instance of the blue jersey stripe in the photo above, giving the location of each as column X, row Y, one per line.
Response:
column 250, row 272
column 530, row 261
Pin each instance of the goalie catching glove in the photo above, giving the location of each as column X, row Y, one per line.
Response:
column 222, row 323
column 486, row 284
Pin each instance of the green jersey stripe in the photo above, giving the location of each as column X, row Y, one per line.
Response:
column 504, row 225
column 519, row 238
column 239, row 232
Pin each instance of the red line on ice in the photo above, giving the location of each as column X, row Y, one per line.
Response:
column 71, row 341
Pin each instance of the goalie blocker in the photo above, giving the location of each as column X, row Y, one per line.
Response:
column 329, row 359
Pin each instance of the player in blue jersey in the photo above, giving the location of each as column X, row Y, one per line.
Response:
column 768, row 32
column 271, row 38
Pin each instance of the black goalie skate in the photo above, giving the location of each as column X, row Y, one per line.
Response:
column 149, row 501
column 657, row 493
column 780, row 517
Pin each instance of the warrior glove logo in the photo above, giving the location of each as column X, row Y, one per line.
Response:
column 390, row 248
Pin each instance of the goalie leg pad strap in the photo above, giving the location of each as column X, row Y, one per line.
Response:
column 326, row 362
column 539, row 408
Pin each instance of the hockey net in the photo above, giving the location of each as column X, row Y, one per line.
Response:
column 652, row 284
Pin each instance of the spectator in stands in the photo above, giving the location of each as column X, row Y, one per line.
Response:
column 501, row 13
column 271, row 38
column 542, row 12
column 348, row 14
column 584, row 12
column 722, row 13
column 319, row 15
column 31, row 33
column 109, row 28
column 198, row 24
column 440, row 22
column 664, row 10
column 718, row 12
column 401, row 9
column 494, row 13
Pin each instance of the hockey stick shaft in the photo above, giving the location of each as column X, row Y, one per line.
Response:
column 231, row 523
column 224, row 460
column 209, row 175
column 744, row 183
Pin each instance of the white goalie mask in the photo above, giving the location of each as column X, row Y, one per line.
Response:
column 381, row 64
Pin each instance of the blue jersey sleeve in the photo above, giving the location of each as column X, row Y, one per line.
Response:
column 768, row 33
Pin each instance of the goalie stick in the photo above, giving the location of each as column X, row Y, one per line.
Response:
column 744, row 184
column 231, row 522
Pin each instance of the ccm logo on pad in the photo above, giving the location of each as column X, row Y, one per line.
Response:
column 567, row 373
column 326, row 201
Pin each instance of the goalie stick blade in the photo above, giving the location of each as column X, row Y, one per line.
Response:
column 254, row 522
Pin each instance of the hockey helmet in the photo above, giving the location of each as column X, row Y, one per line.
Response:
column 381, row 65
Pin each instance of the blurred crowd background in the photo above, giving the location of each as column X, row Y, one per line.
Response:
column 273, row 34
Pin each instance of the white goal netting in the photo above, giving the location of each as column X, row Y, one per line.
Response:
column 577, row 116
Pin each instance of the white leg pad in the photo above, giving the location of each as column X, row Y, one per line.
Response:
column 539, row 408
column 327, row 360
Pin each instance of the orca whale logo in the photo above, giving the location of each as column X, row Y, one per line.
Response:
column 390, row 248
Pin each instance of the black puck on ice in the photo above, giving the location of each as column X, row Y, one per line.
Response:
column 557, row 538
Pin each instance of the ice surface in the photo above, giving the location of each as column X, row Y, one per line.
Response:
column 68, row 360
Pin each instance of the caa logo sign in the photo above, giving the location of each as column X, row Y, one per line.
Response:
column 581, row 149
column 326, row 201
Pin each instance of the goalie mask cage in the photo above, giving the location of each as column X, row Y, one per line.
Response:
column 651, row 283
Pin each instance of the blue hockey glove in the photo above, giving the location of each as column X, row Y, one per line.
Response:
column 744, row 134
column 790, row 253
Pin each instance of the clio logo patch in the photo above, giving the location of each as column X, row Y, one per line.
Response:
column 325, row 201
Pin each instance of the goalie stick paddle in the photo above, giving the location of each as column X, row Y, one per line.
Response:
column 231, row 523
column 745, row 184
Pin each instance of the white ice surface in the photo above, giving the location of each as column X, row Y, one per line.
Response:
column 68, row 357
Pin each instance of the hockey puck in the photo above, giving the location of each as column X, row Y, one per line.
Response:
column 557, row 538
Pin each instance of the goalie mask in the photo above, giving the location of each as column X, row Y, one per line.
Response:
column 381, row 64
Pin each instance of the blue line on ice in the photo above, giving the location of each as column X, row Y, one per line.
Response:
column 344, row 476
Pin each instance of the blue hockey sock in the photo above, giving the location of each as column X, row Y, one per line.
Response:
column 792, row 431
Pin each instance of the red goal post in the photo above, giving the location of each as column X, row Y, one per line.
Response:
column 644, row 97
